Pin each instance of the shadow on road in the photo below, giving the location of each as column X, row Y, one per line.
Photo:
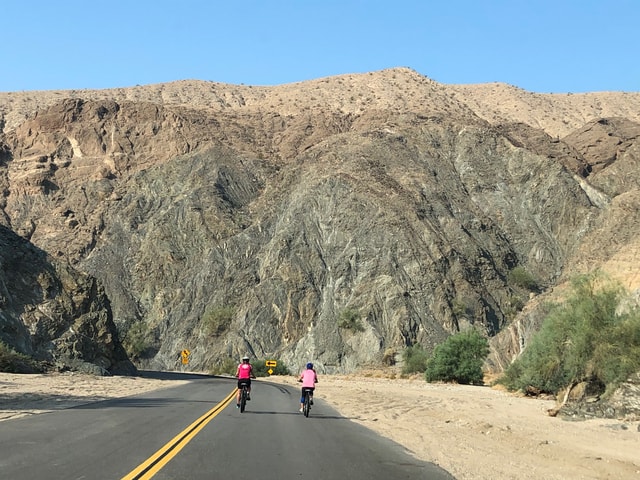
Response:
column 319, row 416
column 155, row 375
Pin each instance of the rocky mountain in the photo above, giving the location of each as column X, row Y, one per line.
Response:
column 55, row 314
column 339, row 220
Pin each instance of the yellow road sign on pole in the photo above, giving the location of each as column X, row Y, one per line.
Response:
column 185, row 356
column 270, row 363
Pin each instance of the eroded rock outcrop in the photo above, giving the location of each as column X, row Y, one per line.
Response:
column 54, row 313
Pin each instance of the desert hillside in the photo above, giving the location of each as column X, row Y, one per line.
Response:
column 343, row 218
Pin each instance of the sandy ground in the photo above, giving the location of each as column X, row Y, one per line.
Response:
column 472, row 432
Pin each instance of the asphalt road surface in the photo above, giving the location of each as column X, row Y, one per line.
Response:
column 195, row 432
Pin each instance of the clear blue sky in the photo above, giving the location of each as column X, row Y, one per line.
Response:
column 542, row 46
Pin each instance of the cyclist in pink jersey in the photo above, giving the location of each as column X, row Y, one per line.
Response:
column 244, row 374
column 309, row 378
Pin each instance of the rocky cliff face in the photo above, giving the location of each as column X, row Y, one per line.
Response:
column 55, row 314
column 337, row 220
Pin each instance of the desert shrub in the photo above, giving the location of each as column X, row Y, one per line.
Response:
column 513, row 306
column 581, row 339
column 350, row 320
column 389, row 357
column 216, row 320
column 458, row 359
column 522, row 278
column 137, row 340
column 225, row 366
column 415, row 359
column 461, row 307
column 15, row 362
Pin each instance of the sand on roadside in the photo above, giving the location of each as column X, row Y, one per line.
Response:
column 30, row 394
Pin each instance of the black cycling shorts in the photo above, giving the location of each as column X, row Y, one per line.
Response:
column 244, row 380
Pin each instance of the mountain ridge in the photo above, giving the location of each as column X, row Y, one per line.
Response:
column 515, row 105
column 385, row 194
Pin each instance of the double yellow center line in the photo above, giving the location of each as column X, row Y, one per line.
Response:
column 154, row 463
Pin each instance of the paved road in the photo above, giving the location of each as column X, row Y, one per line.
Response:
column 195, row 432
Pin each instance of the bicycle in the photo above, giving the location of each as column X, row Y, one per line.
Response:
column 244, row 393
column 306, row 405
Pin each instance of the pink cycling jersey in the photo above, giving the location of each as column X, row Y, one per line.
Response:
column 244, row 371
column 309, row 378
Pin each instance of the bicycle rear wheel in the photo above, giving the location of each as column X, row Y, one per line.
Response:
column 306, row 407
column 243, row 398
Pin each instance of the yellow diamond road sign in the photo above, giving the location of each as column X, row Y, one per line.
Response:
column 185, row 356
column 270, row 371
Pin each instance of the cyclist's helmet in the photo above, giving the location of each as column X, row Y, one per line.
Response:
column 309, row 366
column 245, row 358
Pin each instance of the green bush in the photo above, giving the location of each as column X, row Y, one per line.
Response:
column 389, row 357
column 217, row 320
column 350, row 320
column 136, row 340
column 619, row 357
column 458, row 359
column 459, row 307
column 582, row 339
column 14, row 362
column 226, row 366
column 522, row 278
column 415, row 359
column 513, row 306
